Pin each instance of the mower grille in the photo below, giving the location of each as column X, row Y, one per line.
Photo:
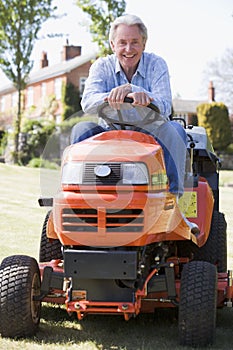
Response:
column 117, row 220
column 89, row 176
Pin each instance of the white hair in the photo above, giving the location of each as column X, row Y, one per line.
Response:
column 129, row 20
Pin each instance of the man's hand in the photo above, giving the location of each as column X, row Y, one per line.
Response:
column 140, row 99
column 117, row 95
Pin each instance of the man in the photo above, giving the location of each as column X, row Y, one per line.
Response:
column 144, row 77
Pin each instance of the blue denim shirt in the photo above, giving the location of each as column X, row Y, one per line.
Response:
column 151, row 76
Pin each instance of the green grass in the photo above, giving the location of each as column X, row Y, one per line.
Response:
column 21, row 215
column 21, row 223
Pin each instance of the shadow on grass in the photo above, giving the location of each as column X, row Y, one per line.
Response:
column 109, row 332
column 103, row 332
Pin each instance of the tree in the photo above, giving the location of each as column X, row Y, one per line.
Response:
column 214, row 117
column 20, row 22
column 102, row 13
column 220, row 71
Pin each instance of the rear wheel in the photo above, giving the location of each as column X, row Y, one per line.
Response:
column 49, row 250
column 215, row 248
column 19, row 284
column 198, row 303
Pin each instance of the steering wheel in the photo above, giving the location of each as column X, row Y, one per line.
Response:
column 150, row 117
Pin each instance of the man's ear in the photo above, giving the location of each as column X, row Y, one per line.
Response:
column 112, row 46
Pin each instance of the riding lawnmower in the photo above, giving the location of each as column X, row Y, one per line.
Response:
column 115, row 240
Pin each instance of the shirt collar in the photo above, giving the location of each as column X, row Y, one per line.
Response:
column 141, row 67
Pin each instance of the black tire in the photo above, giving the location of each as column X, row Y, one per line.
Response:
column 49, row 250
column 198, row 304
column 19, row 283
column 215, row 248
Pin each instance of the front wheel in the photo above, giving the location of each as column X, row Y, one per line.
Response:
column 198, row 304
column 215, row 249
column 19, row 283
column 49, row 250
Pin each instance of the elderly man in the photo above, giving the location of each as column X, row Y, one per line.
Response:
column 144, row 77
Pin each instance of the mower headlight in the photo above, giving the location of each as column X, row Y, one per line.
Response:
column 135, row 174
column 72, row 173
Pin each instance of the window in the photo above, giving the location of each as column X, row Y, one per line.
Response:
column 82, row 81
column 30, row 96
column 43, row 90
column 2, row 104
column 58, row 119
column 58, row 88
column 14, row 99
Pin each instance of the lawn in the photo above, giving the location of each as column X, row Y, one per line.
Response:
column 21, row 223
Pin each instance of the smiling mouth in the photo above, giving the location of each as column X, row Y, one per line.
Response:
column 132, row 56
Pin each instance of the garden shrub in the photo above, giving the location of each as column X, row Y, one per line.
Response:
column 214, row 117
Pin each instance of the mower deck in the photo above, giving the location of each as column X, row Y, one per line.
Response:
column 144, row 300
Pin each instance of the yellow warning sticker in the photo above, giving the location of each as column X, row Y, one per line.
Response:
column 188, row 204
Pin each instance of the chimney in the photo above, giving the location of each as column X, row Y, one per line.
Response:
column 70, row 51
column 44, row 60
column 211, row 92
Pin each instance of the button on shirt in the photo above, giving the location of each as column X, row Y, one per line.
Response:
column 151, row 77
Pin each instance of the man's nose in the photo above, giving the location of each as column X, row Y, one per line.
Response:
column 128, row 47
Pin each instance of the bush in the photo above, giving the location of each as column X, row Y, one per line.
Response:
column 42, row 163
column 214, row 117
column 229, row 149
column 37, row 133
column 70, row 100
column 3, row 142
column 67, row 124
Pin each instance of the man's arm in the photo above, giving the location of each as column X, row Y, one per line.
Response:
column 152, row 85
column 158, row 89
column 95, row 88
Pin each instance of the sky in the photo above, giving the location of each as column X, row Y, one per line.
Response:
column 188, row 34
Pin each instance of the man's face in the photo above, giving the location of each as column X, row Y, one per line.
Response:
column 128, row 46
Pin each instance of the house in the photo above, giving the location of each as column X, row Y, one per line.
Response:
column 46, row 83
column 187, row 109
